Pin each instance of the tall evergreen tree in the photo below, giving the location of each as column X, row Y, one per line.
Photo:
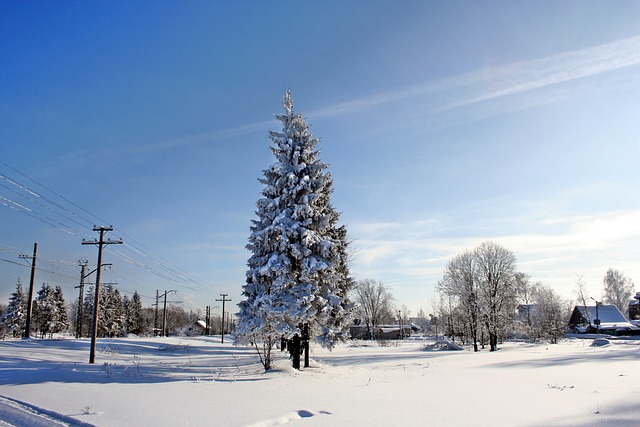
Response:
column 133, row 314
column 111, row 314
column 14, row 319
column 87, row 312
column 61, row 320
column 41, row 309
column 49, row 310
column 298, row 275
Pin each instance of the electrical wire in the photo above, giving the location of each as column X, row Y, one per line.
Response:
column 36, row 202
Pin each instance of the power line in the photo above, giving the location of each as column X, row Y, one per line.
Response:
column 139, row 256
column 53, row 192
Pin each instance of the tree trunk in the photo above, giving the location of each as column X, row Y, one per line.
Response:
column 305, row 337
column 295, row 351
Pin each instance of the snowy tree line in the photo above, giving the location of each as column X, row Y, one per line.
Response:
column 118, row 315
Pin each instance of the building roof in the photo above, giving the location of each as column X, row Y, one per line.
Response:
column 609, row 316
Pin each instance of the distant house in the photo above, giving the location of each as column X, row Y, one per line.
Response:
column 384, row 332
column 198, row 328
column 526, row 311
column 634, row 308
column 605, row 319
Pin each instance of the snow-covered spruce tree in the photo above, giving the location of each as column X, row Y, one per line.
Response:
column 15, row 318
column 298, row 274
column 61, row 321
column 87, row 312
column 43, row 309
column 133, row 313
column 49, row 310
column 111, row 314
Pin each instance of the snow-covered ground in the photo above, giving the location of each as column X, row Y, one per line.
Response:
column 199, row 381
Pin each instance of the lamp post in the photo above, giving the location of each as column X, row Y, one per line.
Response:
column 597, row 319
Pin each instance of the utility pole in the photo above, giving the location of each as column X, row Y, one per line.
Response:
column 27, row 329
column 223, row 299
column 100, row 243
column 83, row 268
column 207, row 319
column 155, row 316
column 164, row 312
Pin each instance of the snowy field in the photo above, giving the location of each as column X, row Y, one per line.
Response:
column 199, row 381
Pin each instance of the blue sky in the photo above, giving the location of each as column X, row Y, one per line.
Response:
column 445, row 124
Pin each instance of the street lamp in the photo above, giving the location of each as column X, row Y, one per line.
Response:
column 597, row 319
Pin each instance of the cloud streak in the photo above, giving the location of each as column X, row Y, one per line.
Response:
column 491, row 83
column 454, row 92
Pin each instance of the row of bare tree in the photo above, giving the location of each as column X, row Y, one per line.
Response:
column 481, row 291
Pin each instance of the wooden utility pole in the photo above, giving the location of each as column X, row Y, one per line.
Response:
column 83, row 268
column 223, row 299
column 164, row 311
column 100, row 243
column 155, row 316
column 27, row 329
column 207, row 319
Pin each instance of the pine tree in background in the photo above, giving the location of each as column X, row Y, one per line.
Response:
column 42, row 309
column 111, row 313
column 14, row 319
column 126, row 302
column 60, row 322
column 133, row 314
column 50, row 310
column 298, row 276
column 87, row 311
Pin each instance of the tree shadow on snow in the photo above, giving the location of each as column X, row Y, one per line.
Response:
column 630, row 354
column 125, row 361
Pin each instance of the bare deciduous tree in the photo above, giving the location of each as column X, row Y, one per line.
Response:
column 496, row 268
column 618, row 290
column 374, row 304
column 460, row 282
column 548, row 319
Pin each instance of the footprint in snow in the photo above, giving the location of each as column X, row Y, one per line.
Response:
column 287, row 418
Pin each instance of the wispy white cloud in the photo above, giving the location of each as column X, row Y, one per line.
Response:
column 452, row 93
column 560, row 68
column 211, row 136
column 496, row 82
